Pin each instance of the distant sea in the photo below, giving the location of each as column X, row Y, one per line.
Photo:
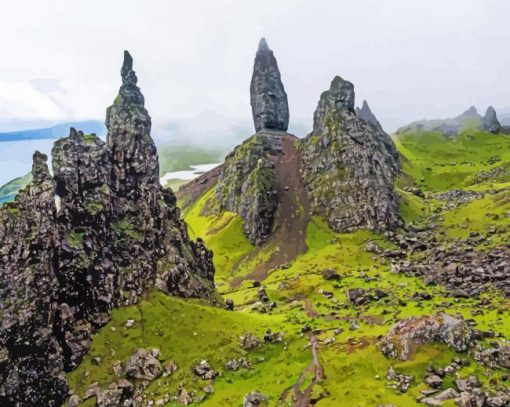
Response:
column 16, row 157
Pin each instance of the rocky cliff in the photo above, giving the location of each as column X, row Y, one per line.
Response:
column 247, row 181
column 349, row 165
column 247, row 184
column 98, row 234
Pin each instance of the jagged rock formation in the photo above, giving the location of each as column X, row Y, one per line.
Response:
column 468, row 120
column 490, row 121
column 31, row 357
column 268, row 98
column 349, row 166
column 99, row 234
column 246, row 184
column 365, row 113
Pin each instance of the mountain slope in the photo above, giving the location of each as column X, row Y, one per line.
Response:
column 97, row 234
column 56, row 131
column 353, row 270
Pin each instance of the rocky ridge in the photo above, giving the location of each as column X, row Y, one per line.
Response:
column 349, row 165
column 98, row 234
column 470, row 119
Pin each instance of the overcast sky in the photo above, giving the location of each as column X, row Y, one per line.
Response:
column 60, row 59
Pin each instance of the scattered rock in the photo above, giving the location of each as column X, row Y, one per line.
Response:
column 204, row 371
column 143, row 365
column 255, row 399
column 406, row 335
column 330, row 274
column 250, row 341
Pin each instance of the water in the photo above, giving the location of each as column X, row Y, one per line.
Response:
column 16, row 157
column 196, row 170
column 16, row 161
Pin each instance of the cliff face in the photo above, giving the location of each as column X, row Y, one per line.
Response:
column 98, row 234
column 247, row 184
column 349, row 165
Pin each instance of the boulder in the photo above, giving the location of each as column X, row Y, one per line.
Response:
column 408, row 334
column 143, row 365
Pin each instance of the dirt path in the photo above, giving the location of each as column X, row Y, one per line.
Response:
column 302, row 398
column 292, row 216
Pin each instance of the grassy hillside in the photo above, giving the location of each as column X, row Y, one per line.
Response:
column 309, row 308
column 8, row 191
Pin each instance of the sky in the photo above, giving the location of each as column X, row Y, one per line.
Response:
column 410, row 59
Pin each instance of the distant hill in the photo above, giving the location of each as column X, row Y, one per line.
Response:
column 56, row 131
column 470, row 119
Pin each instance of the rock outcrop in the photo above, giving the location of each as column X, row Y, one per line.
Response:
column 247, row 185
column 349, row 165
column 98, row 234
column 490, row 121
column 407, row 335
column 268, row 98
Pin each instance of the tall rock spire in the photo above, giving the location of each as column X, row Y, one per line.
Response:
column 268, row 98
column 366, row 114
column 490, row 121
column 135, row 159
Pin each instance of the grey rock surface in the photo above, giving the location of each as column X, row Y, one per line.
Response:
column 349, row 166
column 98, row 234
column 268, row 98
column 490, row 121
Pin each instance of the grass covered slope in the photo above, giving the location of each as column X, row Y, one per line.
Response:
column 314, row 314
column 438, row 163
column 8, row 191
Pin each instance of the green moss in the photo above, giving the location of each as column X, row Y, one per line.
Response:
column 126, row 228
column 75, row 239
column 187, row 332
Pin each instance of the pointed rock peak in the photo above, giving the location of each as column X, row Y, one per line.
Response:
column 341, row 92
column 263, row 45
column 470, row 112
column 491, row 112
column 127, row 65
column 75, row 134
column 40, row 170
column 365, row 113
column 268, row 98
column 130, row 99
column 126, row 72
column 490, row 121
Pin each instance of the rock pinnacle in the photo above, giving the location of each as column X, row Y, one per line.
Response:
column 268, row 98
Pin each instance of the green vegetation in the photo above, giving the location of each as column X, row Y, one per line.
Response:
column 437, row 163
column 8, row 191
column 188, row 331
column 75, row 239
column 181, row 157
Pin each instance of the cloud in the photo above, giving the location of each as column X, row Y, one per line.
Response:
column 22, row 100
column 408, row 59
